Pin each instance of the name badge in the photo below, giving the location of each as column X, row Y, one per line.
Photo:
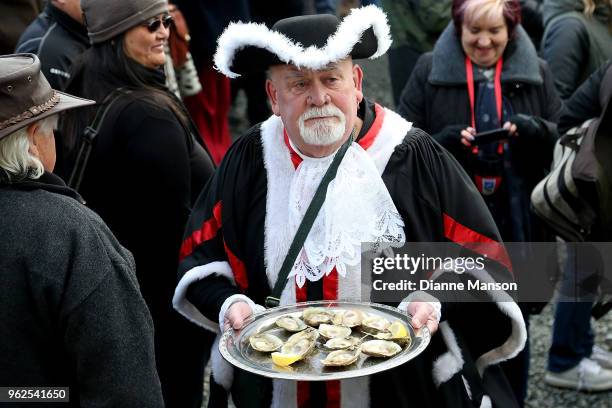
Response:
column 487, row 185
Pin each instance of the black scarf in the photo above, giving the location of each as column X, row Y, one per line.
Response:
column 150, row 77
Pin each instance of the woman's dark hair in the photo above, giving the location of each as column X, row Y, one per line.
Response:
column 511, row 10
column 99, row 71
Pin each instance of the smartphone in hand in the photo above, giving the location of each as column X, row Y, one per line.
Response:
column 490, row 136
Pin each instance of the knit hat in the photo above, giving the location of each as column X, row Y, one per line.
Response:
column 106, row 19
column 310, row 41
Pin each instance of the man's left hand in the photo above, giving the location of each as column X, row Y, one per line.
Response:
column 423, row 313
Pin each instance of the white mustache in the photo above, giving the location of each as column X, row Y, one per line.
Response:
column 322, row 133
column 326, row 110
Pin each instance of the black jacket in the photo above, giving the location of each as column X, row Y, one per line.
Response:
column 575, row 45
column 144, row 173
column 58, row 40
column 586, row 102
column 146, row 195
column 436, row 97
column 72, row 313
column 531, row 19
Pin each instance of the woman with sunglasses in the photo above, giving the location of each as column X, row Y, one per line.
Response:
column 145, row 170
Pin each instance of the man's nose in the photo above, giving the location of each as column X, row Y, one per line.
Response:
column 318, row 96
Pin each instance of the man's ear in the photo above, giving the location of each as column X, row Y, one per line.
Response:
column 31, row 131
column 272, row 96
column 358, row 81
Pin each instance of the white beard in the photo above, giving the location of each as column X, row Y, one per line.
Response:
column 322, row 132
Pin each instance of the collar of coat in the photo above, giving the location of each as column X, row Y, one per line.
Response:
column 521, row 63
column 48, row 182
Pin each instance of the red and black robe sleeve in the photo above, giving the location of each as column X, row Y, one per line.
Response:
column 224, row 235
column 439, row 203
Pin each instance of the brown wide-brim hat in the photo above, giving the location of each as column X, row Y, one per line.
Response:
column 26, row 96
column 310, row 41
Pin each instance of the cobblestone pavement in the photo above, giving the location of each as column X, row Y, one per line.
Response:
column 377, row 87
column 541, row 395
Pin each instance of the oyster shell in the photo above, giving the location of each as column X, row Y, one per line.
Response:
column 291, row 323
column 265, row 342
column 385, row 335
column 340, row 343
column 330, row 331
column 340, row 358
column 397, row 332
column 314, row 316
column 301, row 343
column 347, row 318
column 380, row 348
column 375, row 324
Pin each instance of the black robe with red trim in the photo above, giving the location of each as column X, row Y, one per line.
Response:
column 235, row 241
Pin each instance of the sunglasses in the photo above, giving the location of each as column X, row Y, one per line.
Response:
column 154, row 24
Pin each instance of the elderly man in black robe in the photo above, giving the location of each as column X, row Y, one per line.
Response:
column 394, row 184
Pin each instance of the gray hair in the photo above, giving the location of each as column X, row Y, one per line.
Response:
column 16, row 161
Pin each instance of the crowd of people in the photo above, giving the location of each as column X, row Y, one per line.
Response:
column 137, row 227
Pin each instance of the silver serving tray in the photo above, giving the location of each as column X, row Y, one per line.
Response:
column 235, row 348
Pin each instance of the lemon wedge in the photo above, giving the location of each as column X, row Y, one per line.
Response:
column 398, row 330
column 283, row 360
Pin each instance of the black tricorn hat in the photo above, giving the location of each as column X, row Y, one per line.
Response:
column 310, row 41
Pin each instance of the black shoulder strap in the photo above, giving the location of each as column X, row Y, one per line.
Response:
column 89, row 135
column 309, row 218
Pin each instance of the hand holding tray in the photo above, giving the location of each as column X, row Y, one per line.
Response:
column 237, row 350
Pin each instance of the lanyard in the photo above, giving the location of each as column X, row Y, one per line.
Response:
column 498, row 91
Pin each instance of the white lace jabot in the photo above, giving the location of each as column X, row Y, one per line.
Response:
column 358, row 208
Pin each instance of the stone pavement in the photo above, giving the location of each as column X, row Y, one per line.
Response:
column 541, row 395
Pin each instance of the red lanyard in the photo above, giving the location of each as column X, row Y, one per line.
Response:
column 498, row 91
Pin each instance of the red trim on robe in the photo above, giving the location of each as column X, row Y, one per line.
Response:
column 330, row 285
column 468, row 238
column 238, row 269
column 301, row 294
column 295, row 158
column 333, row 393
column 207, row 231
column 303, row 394
column 368, row 139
